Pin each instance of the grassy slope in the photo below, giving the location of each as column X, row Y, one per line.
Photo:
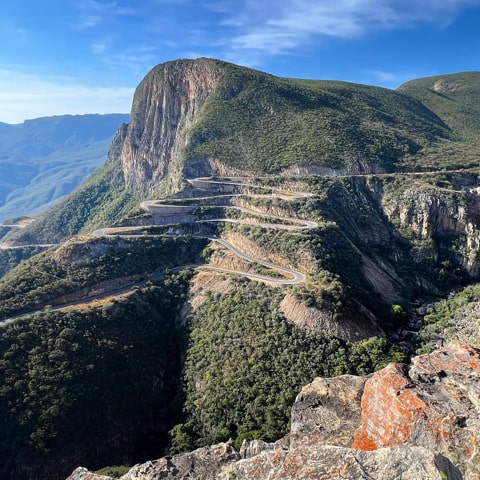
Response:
column 454, row 98
column 265, row 123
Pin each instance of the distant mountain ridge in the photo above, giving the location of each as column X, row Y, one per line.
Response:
column 43, row 159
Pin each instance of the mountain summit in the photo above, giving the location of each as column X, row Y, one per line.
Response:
column 193, row 118
column 207, row 117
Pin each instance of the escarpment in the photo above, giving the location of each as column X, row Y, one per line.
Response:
column 166, row 105
column 442, row 211
column 346, row 210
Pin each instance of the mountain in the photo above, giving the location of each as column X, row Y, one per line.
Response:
column 454, row 98
column 248, row 233
column 44, row 159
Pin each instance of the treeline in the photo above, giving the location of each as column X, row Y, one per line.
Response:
column 11, row 257
column 77, row 265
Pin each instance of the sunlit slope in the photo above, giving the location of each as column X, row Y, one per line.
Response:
column 265, row 123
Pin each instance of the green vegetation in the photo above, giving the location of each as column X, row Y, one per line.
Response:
column 114, row 472
column 11, row 257
column 264, row 123
column 45, row 278
column 453, row 319
column 99, row 201
column 119, row 383
column 454, row 99
column 245, row 366
column 91, row 386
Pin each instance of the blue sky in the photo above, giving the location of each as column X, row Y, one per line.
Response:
column 87, row 56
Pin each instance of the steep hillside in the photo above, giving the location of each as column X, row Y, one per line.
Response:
column 44, row 159
column 373, row 244
column 206, row 117
column 202, row 117
column 99, row 200
column 406, row 421
column 454, row 98
column 331, row 210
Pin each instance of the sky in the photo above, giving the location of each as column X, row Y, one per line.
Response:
column 87, row 56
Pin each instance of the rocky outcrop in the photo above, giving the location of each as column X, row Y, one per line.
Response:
column 441, row 213
column 416, row 422
column 435, row 403
column 327, row 412
column 340, row 463
column 202, row 464
column 165, row 107
column 325, row 322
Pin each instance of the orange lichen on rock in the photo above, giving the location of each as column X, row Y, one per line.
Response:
column 434, row 403
column 389, row 409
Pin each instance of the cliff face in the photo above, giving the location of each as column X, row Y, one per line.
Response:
column 166, row 105
column 445, row 212
column 417, row 422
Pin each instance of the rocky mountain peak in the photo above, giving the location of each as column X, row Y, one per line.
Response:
column 165, row 106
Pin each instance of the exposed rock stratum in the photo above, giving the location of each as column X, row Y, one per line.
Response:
column 411, row 422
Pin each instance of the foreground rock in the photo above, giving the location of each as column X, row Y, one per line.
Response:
column 417, row 422
column 435, row 403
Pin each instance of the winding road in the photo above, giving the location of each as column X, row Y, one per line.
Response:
column 160, row 207
column 176, row 206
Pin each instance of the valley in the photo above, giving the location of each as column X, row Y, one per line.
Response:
column 44, row 159
column 246, row 235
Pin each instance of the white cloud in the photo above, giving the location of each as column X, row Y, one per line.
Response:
column 88, row 21
column 92, row 5
column 25, row 96
column 100, row 48
column 95, row 13
column 277, row 27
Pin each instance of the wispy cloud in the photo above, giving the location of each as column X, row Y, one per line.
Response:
column 137, row 58
column 88, row 21
column 273, row 27
column 95, row 13
column 31, row 96
column 100, row 48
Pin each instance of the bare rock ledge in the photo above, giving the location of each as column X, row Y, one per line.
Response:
column 410, row 422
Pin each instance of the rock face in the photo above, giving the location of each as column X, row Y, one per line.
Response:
column 339, row 463
column 435, row 403
column 436, row 212
column 166, row 105
column 202, row 464
column 324, row 321
column 327, row 412
column 417, row 422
